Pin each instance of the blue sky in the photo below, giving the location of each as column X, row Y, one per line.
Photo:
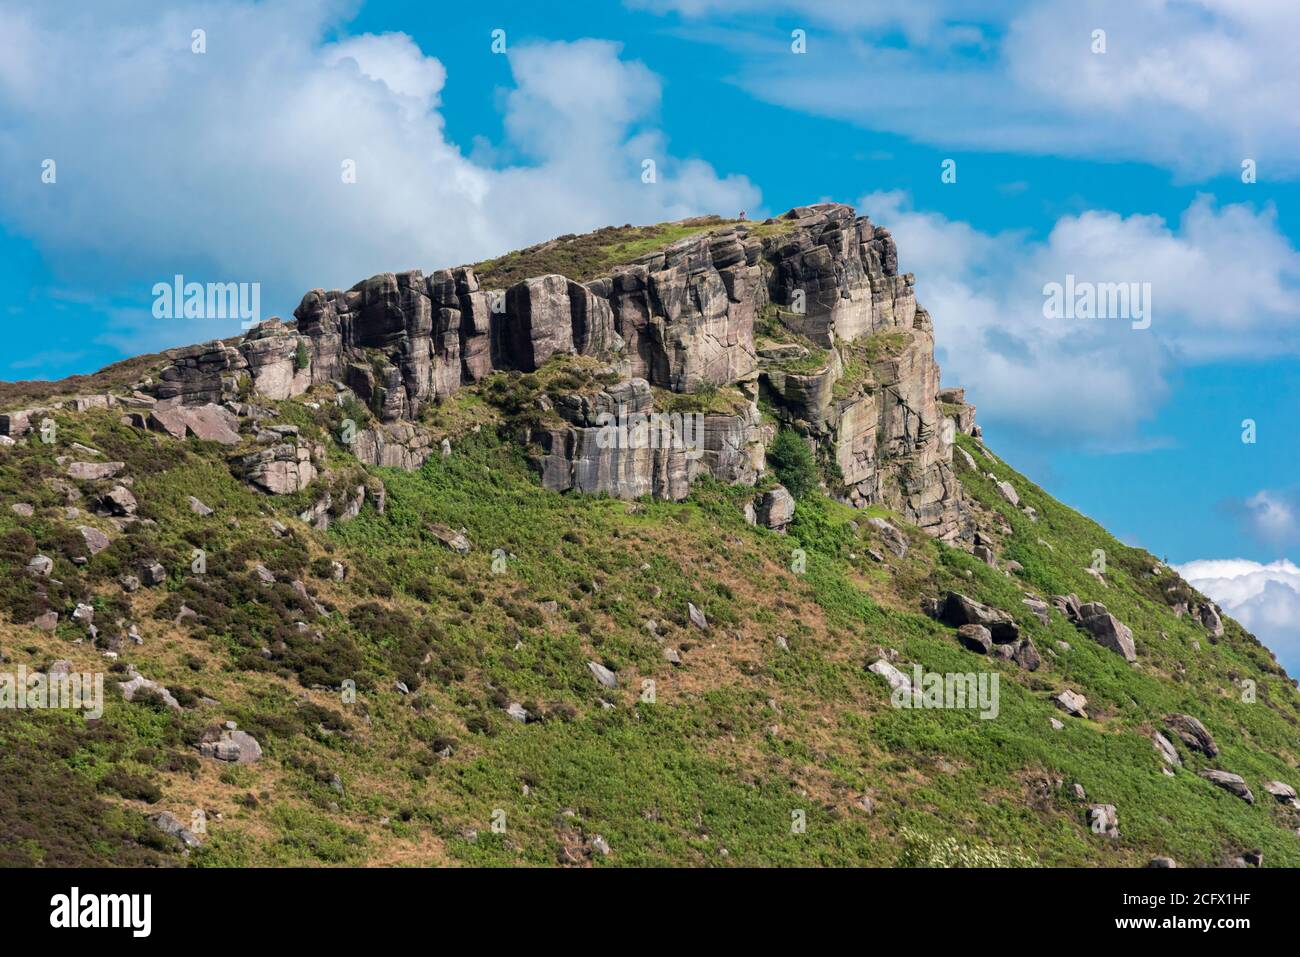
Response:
column 1115, row 167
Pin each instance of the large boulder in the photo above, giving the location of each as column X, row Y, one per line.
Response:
column 1107, row 630
column 775, row 508
column 1193, row 734
column 957, row 610
column 1232, row 783
column 281, row 469
column 230, row 745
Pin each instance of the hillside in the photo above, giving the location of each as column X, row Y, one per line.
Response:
column 452, row 625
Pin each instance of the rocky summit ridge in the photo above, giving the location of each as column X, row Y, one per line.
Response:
column 806, row 316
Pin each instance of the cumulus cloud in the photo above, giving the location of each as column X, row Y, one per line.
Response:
column 228, row 165
column 1264, row 598
column 1095, row 379
column 1268, row 516
column 1194, row 86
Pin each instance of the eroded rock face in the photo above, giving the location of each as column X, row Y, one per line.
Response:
column 282, row 469
column 681, row 318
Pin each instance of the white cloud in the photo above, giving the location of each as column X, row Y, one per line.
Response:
column 1264, row 598
column 228, row 164
column 1095, row 379
column 1193, row 85
column 1269, row 516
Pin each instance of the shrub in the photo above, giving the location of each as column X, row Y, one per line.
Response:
column 793, row 463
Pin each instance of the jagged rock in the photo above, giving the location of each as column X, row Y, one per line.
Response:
column 1193, row 734
column 281, row 469
column 976, row 638
column 227, row 744
column 93, row 471
column 957, row 610
column 1168, row 753
column 95, row 540
column 84, row 615
column 1072, row 703
column 41, row 565
column 1232, row 783
column 168, row 823
column 152, row 574
column 891, row 674
column 1103, row 819
column 198, row 508
column 517, row 712
column 1008, row 492
column 1284, row 793
column 1039, row 607
column 1068, row 605
column 208, row 422
column 1107, row 630
column 1026, row 655
column 456, row 541
column 138, row 683
column 1210, row 619
column 775, row 508
column 896, row 540
column 118, row 501
column 697, row 617
column 19, row 423
column 985, row 554
column 604, row 677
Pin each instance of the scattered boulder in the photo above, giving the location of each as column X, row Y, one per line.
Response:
column 456, row 541
column 957, row 610
column 1162, row 862
column 1284, row 793
column 672, row 656
column 41, row 565
column 1168, row 753
column 229, row 744
column 1211, row 620
column 893, row 537
column 1026, row 655
column 517, row 712
column 891, row 674
column 604, row 677
column 138, row 683
column 1107, row 630
column 1039, row 607
column 1073, row 703
column 976, row 638
column 94, row 471
column 198, row 508
column 775, row 508
column 697, row 617
column 96, row 540
column 22, row 509
column 118, row 501
column 168, row 823
column 1009, row 493
column 1232, row 783
column 47, row 621
column 152, row 574
column 1194, row 734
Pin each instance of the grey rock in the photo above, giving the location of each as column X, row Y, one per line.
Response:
column 1193, row 734
column 95, row 540
column 975, row 638
column 235, row 747
column 198, row 508
column 94, row 471
column 891, row 674
column 1107, row 630
column 775, row 508
column 1103, row 819
column 138, row 683
column 1168, row 753
column 1071, row 702
column 604, row 677
column 41, row 565
column 957, row 609
column 169, row 824
column 1232, row 783
column 697, row 617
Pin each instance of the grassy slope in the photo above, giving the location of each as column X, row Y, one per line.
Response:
column 739, row 737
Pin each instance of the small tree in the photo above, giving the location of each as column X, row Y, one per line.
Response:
column 301, row 357
column 793, row 463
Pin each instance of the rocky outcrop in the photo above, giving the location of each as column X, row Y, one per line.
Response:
column 682, row 318
column 1193, row 734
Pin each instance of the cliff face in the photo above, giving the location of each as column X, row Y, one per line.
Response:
column 821, row 283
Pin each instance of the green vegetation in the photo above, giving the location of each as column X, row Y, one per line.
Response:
column 770, row 717
column 793, row 463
